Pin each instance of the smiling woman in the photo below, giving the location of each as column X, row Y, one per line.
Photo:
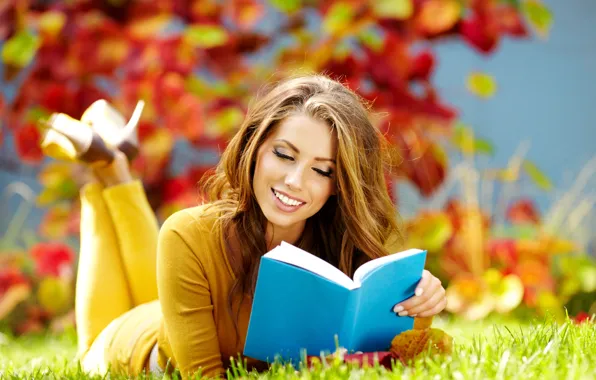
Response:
column 307, row 167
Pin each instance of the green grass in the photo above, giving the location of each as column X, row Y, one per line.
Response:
column 496, row 349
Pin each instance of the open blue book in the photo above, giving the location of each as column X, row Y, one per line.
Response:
column 302, row 303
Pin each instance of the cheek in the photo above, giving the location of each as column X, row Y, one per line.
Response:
column 322, row 189
column 266, row 168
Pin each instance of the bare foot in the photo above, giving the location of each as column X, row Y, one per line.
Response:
column 117, row 172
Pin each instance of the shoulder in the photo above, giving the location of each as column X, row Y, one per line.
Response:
column 193, row 229
column 199, row 219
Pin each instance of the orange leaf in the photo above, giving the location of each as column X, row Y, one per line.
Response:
column 149, row 26
column 55, row 223
column 438, row 16
column 50, row 23
column 245, row 13
column 421, row 323
column 410, row 344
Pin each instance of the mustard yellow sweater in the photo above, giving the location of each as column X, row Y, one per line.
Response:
column 190, row 321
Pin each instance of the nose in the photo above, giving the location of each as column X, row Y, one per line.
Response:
column 294, row 179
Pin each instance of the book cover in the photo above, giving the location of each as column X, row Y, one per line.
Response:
column 303, row 303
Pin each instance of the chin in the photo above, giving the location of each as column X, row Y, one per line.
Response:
column 283, row 221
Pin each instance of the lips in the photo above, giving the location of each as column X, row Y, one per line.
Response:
column 287, row 200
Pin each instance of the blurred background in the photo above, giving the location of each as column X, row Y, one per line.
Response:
column 490, row 102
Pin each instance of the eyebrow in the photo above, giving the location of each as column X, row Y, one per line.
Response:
column 295, row 149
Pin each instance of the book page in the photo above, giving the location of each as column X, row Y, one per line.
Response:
column 370, row 266
column 295, row 256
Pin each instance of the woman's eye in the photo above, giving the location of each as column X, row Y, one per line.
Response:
column 324, row 173
column 282, row 156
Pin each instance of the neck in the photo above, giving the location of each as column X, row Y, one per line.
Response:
column 274, row 235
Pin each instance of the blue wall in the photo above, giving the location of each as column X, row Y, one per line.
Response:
column 546, row 95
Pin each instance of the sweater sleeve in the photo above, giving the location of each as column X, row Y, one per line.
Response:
column 185, row 296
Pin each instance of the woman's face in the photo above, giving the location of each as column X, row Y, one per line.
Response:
column 295, row 171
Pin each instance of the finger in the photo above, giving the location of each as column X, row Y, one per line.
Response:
column 436, row 299
column 404, row 308
column 424, row 282
column 435, row 310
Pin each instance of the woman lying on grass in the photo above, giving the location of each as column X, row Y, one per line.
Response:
column 306, row 167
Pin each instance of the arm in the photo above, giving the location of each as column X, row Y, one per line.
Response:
column 185, row 299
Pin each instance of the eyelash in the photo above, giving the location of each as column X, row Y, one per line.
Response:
column 319, row 171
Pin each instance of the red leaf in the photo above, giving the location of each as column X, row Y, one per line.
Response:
column 479, row 33
column 52, row 258
column 503, row 253
column 421, row 165
column 57, row 98
column 582, row 317
column 389, row 66
column 422, row 65
column 9, row 277
column 174, row 188
column 510, row 21
column 523, row 211
column 27, row 140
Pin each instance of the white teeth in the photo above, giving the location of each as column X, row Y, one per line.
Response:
column 286, row 200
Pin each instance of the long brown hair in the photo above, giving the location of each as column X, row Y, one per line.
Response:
column 353, row 226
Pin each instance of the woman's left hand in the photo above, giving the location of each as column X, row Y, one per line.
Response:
column 429, row 299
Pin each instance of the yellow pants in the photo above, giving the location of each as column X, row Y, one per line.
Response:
column 117, row 313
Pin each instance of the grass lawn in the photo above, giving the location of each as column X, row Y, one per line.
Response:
column 494, row 349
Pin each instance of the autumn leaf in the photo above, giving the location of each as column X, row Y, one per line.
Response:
column 438, row 16
column 149, row 26
column 398, row 9
column 338, row 18
column 20, row 49
column 205, row 36
column 430, row 230
column 537, row 176
column 464, row 139
column 481, row 85
column 245, row 13
column 539, row 16
column 421, row 323
column 410, row 344
column 507, row 291
column 27, row 139
column 371, row 39
column 55, row 223
column 286, row 6
column 51, row 23
column 54, row 295
column 58, row 183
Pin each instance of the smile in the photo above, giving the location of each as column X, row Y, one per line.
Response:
column 285, row 200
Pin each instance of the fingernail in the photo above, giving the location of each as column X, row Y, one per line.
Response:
column 398, row 308
column 403, row 313
column 419, row 292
